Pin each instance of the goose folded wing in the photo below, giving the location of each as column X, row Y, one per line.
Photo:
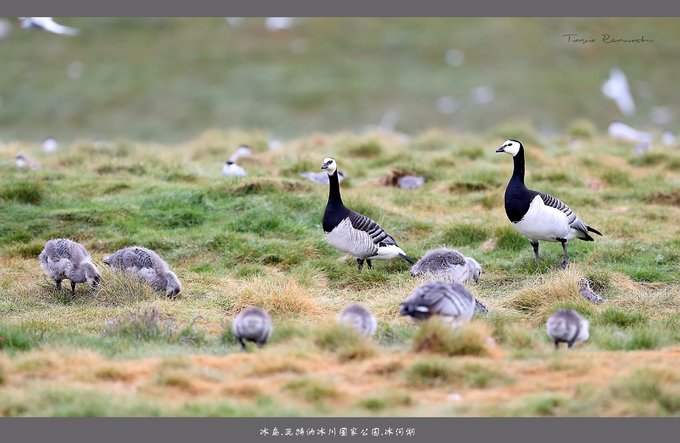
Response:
column 373, row 229
column 558, row 204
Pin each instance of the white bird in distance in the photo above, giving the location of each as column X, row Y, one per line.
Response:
column 616, row 88
column 47, row 24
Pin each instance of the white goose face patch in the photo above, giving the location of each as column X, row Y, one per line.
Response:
column 509, row 147
column 329, row 165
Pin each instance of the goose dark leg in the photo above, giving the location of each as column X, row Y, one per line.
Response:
column 557, row 345
column 370, row 265
column 534, row 244
column 243, row 344
column 73, row 289
column 360, row 263
column 570, row 343
column 58, row 285
column 565, row 261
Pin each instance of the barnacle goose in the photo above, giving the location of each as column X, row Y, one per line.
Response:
column 537, row 215
column 567, row 326
column 447, row 264
column 354, row 233
column 64, row 259
column 252, row 324
column 453, row 302
column 360, row 318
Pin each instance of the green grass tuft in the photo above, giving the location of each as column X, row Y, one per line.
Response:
column 14, row 337
column 465, row 235
column 622, row 318
column 24, row 191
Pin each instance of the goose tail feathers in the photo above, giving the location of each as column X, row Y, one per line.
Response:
column 407, row 258
column 591, row 229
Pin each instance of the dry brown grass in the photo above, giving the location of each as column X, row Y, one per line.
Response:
column 437, row 337
column 538, row 296
column 279, row 297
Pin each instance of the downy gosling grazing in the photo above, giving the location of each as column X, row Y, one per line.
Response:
column 360, row 318
column 148, row 266
column 64, row 259
column 252, row 324
column 567, row 326
column 451, row 301
column 354, row 233
column 539, row 216
column 447, row 264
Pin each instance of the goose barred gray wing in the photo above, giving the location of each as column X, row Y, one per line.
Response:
column 572, row 218
column 373, row 229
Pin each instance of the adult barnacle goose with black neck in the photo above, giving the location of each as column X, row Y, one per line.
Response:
column 539, row 216
column 354, row 233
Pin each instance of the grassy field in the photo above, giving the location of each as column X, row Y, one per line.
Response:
column 126, row 350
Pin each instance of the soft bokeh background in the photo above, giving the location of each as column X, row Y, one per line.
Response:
column 170, row 79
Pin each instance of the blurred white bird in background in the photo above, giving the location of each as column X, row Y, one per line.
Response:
column 47, row 24
column 231, row 169
column 278, row 23
column 616, row 88
column 668, row 138
column 482, row 95
column 454, row 57
column 621, row 131
column 274, row 144
column 24, row 162
column 242, row 151
column 234, row 22
column 321, row 178
column 5, row 28
column 50, row 144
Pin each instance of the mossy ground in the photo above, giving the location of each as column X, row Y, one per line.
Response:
column 258, row 240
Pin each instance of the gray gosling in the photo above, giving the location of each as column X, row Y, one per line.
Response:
column 360, row 318
column 447, row 264
column 252, row 324
column 148, row 266
column 451, row 301
column 64, row 259
column 567, row 326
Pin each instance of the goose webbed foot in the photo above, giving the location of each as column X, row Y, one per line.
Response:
column 360, row 263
